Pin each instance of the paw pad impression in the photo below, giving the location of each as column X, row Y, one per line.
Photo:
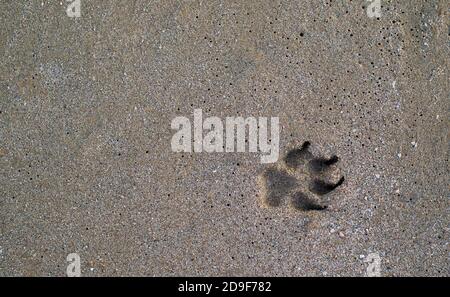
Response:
column 301, row 178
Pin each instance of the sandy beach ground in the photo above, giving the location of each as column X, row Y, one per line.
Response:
column 86, row 164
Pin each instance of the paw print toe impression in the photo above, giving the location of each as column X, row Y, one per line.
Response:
column 302, row 179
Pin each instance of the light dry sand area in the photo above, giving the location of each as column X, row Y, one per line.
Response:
column 87, row 166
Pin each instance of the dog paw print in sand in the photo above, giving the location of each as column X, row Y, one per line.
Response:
column 302, row 179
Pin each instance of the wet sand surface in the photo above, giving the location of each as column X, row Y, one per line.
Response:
column 86, row 164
